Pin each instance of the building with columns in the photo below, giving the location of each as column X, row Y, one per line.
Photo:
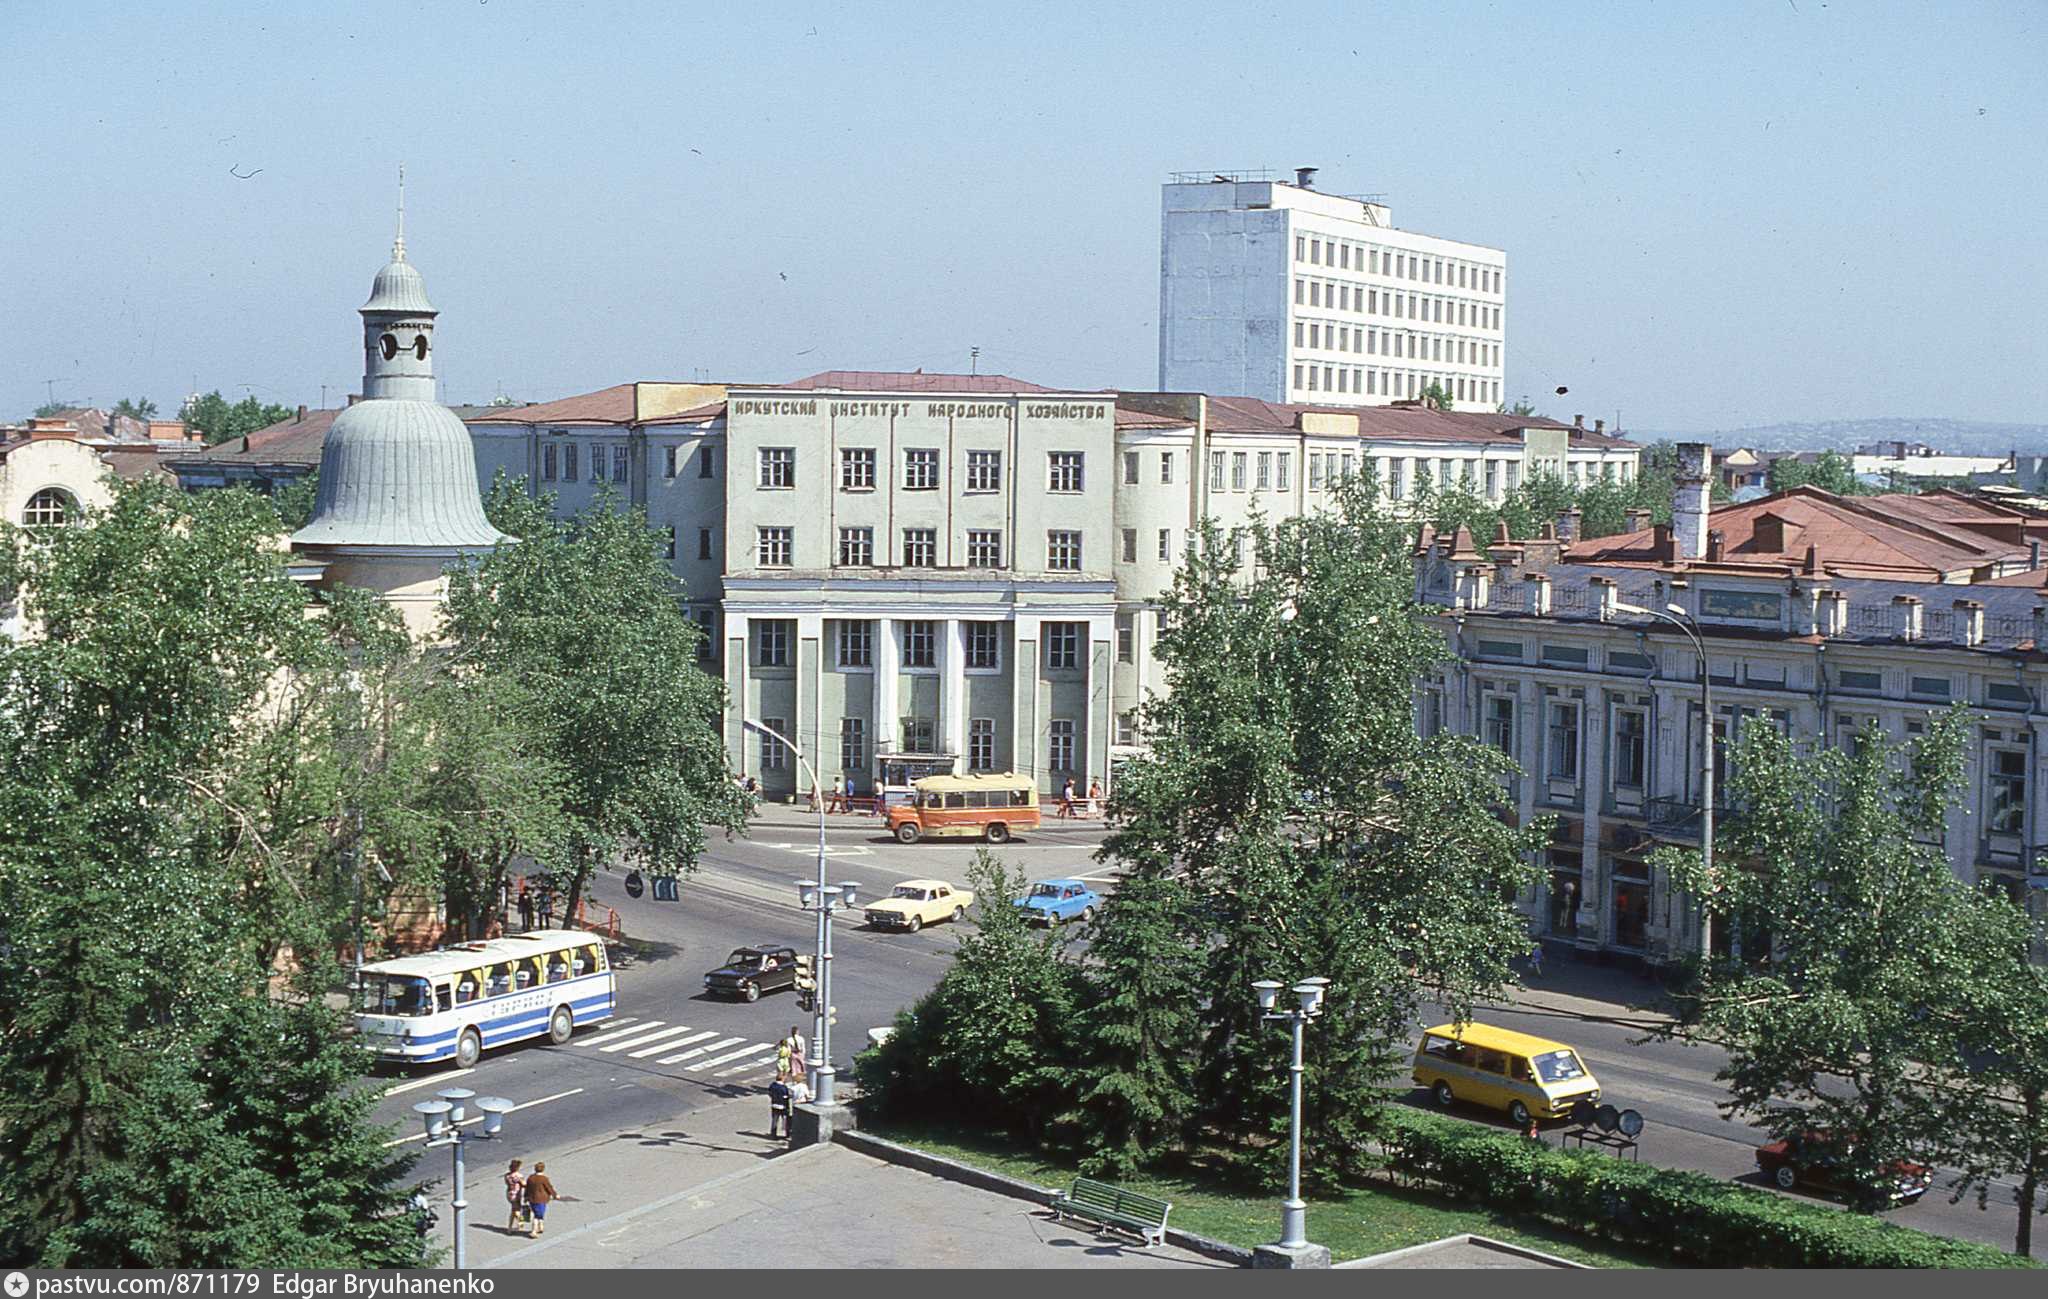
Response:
column 398, row 502
column 1821, row 615
column 916, row 572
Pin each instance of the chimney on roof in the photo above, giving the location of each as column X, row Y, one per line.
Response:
column 1692, row 498
column 301, row 415
column 1568, row 526
column 354, row 397
column 1578, row 421
column 1907, row 616
column 2033, row 554
column 1599, row 426
column 1637, row 520
column 1663, row 548
column 1305, row 177
column 1970, row 622
column 1715, row 541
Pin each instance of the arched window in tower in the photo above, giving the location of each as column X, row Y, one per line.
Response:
column 390, row 345
column 419, row 347
column 49, row 508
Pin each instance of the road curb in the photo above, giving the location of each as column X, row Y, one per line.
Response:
column 1016, row 1188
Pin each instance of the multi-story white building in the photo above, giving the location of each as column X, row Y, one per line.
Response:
column 1282, row 292
column 1820, row 614
column 910, row 571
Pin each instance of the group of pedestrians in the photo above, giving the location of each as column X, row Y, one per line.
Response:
column 1068, row 805
column 529, row 904
column 791, row 1087
column 528, row 1195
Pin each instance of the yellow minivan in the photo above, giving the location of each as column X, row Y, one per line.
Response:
column 1529, row 1077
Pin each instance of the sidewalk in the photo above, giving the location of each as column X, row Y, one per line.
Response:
column 1589, row 990
column 799, row 816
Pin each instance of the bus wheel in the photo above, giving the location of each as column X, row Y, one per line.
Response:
column 469, row 1048
column 907, row 832
column 998, row 833
column 560, row 1025
column 1443, row 1094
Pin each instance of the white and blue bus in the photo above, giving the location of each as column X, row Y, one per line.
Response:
column 452, row 1003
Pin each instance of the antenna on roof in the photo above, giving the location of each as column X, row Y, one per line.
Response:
column 398, row 244
column 974, row 360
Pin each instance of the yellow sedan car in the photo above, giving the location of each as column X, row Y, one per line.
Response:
column 913, row 904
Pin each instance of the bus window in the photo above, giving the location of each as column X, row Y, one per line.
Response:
column 501, row 979
column 586, row 960
column 977, row 798
column 443, row 1000
column 956, row 800
column 466, row 986
column 558, row 968
column 1020, row 798
column 394, row 995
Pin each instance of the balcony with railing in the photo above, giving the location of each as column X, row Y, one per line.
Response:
column 1678, row 818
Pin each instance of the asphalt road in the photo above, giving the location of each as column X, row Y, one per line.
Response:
column 673, row 1050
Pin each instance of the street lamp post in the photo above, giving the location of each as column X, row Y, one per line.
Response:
column 1293, row 1249
column 1686, row 623
column 828, row 899
column 444, row 1119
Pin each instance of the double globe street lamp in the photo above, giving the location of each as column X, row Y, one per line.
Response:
column 1293, row 1249
column 1676, row 615
column 824, row 899
column 444, row 1119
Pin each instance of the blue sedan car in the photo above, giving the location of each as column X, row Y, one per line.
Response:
column 1053, row 901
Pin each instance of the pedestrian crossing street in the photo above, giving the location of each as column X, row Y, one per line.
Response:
column 705, row 1053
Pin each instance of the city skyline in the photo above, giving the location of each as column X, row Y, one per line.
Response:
column 1811, row 192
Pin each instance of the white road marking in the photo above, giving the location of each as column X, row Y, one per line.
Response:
column 755, row 1049
column 478, row 1118
column 811, row 849
column 645, row 1038
column 742, row 1068
column 670, row 1046
column 448, row 1077
column 715, row 1046
column 634, row 1031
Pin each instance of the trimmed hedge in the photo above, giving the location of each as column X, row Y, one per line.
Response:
column 1691, row 1216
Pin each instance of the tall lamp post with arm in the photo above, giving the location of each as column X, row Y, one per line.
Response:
column 1293, row 1249
column 1687, row 624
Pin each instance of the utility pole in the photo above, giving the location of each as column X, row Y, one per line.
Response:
column 974, row 360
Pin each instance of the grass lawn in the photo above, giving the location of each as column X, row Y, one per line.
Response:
column 1366, row 1220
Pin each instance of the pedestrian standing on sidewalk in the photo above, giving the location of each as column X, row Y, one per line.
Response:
column 1095, row 797
column 547, row 906
column 525, row 907
column 778, row 1106
column 1067, row 798
column 540, row 1193
column 515, row 1195
column 1536, row 960
column 798, row 1068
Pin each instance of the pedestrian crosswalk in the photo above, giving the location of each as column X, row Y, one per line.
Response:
column 704, row 1052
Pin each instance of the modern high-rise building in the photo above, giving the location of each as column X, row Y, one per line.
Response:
column 1288, row 294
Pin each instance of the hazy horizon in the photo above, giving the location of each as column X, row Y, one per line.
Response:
column 1714, row 217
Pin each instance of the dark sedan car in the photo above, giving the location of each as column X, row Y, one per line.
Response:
column 1823, row 1161
column 751, row 971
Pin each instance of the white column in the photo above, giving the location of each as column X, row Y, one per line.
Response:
column 953, row 688
column 888, row 670
column 1095, row 755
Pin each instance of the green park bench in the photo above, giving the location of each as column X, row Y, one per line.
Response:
column 1091, row 1201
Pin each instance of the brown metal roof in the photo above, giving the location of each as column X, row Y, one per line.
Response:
column 1413, row 423
column 292, row 441
column 914, row 381
column 1875, row 536
column 613, row 405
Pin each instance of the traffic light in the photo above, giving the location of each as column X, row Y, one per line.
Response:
column 806, row 982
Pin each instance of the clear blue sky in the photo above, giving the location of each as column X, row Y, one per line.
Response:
column 1715, row 214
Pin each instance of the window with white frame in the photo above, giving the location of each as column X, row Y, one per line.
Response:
column 1063, row 471
column 1166, row 545
column 1562, row 752
column 981, row 744
column 856, row 469
column 856, row 643
column 1315, row 471
column 984, row 471
column 1131, row 468
column 984, row 646
column 921, row 469
column 1631, row 748
column 853, row 744
column 1063, row 645
column 1126, row 640
column 920, row 547
column 774, row 753
column 920, row 643
column 771, row 643
column 984, row 548
column 773, row 546
column 1063, row 551
column 1283, row 471
column 1166, row 468
column 856, row 547
column 1498, row 722
column 1216, row 459
column 1060, row 745
column 920, row 735
column 1265, row 471
column 1238, row 460
column 1127, row 727
column 2005, row 789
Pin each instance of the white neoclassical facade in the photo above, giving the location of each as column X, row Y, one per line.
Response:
column 1283, row 292
column 909, row 572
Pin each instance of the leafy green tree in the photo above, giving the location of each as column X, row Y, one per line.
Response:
column 146, row 1060
column 1436, row 397
column 1835, row 856
column 136, row 408
column 994, row 1041
column 295, row 500
column 218, row 419
column 1785, row 473
column 1999, row 1094
column 587, row 615
column 1834, row 473
column 50, row 408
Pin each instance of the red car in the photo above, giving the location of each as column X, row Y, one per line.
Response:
column 1818, row 1160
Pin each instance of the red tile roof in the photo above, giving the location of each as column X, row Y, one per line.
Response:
column 292, row 441
column 1128, row 418
column 1853, row 537
column 1418, row 423
column 914, row 381
column 613, row 405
